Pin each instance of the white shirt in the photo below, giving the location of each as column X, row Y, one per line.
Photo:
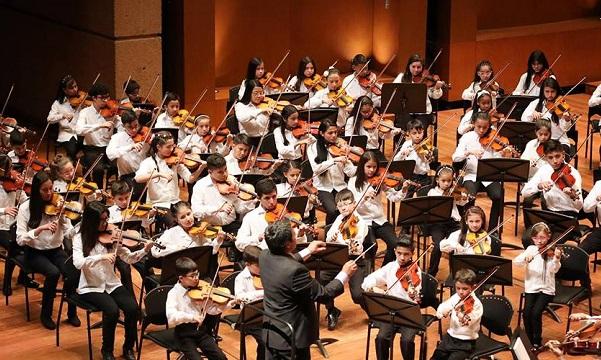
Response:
column 176, row 239
column 302, row 87
column 196, row 144
column 7, row 199
column 319, row 99
column 591, row 203
column 558, row 130
column 373, row 135
column 355, row 90
column 372, row 209
column 555, row 198
column 471, row 142
column 233, row 167
column 181, row 309
column 89, row 124
column 540, row 273
column 290, row 151
column 164, row 121
column 45, row 240
column 244, row 287
column 355, row 245
column 66, row 128
column 385, row 277
column 120, row 148
column 437, row 191
column 452, row 245
column 98, row 274
column 116, row 216
column 519, row 89
column 162, row 193
column 531, row 155
column 595, row 99
column 456, row 330
column 421, row 165
column 252, row 120
column 207, row 201
column 333, row 177
column 466, row 124
column 432, row 93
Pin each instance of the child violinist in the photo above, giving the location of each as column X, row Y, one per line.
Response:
column 163, row 178
column 292, row 170
column 460, row 340
column 361, row 74
column 484, row 73
column 414, row 73
column 253, row 119
column 289, row 146
column 482, row 103
column 472, row 237
column 530, row 81
column 371, row 207
column 534, row 151
column 196, row 142
column 306, row 70
column 241, row 154
column 539, row 283
column 254, row 71
column 414, row 149
column 62, row 172
column 445, row 181
column 120, row 192
column 402, row 279
column 329, row 170
column 541, row 108
column 364, row 109
column 42, row 237
column 331, row 97
column 98, row 282
column 471, row 149
column 65, row 115
column 348, row 229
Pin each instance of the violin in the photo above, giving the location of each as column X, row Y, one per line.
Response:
column 274, row 82
column 540, row 150
column 409, row 279
column 269, row 103
column 184, row 118
column 191, row 161
column 563, row 177
column 498, row 143
column 341, row 148
column 306, row 188
column 85, row 187
column 465, row 309
column 208, row 231
column 244, row 192
column 560, row 108
column 305, row 128
column 261, row 161
column 368, row 83
column 496, row 116
column 15, row 181
column 385, row 123
column 425, row 149
column 348, row 227
column 317, row 82
column 130, row 238
column 142, row 135
column 340, row 98
column 429, row 79
column 204, row 290
column 280, row 212
column 80, row 100
column 113, row 107
column 459, row 193
column 257, row 283
column 219, row 136
column 392, row 179
column 140, row 210
column 30, row 157
column 12, row 124
column 541, row 76
column 483, row 246
column 488, row 85
column 72, row 209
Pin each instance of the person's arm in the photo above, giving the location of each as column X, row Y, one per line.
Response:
column 595, row 99
column 445, row 308
column 284, row 151
column 527, row 115
column 245, row 235
column 79, row 260
column 375, row 279
column 519, row 89
column 577, row 203
column 450, row 244
column 460, row 153
column 434, row 93
column 116, row 149
column 531, row 186
column 24, row 235
column 590, row 203
column 318, row 168
column 245, row 113
column 82, row 128
column 465, row 124
column 174, row 315
column 304, row 285
column 202, row 205
column 55, row 114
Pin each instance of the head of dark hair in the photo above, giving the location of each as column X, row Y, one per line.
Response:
column 404, row 241
column 185, row 265
column 251, row 254
column 120, row 187
column 535, row 56
column 361, row 179
column 333, row 71
column 472, row 210
column 543, row 123
column 215, row 161
column 300, row 73
column 16, row 138
column 466, row 276
column 322, row 148
column 359, row 59
column 289, row 165
column 344, row 195
column 90, row 221
column 479, row 66
column 356, row 112
column 5, row 165
column 171, row 96
column 131, row 86
column 159, row 139
column 553, row 146
column 264, row 187
column 249, row 86
column 415, row 124
column 57, row 164
column 251, row 69
column 99, row 89
column 241, row 139
column 63, row 84
column 549, row 83
column 407, row 77
column 175, row 208
column 128, row 116
column 476, row 104
column 36, row 203
column 277, row 236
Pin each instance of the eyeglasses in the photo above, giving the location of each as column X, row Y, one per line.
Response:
column 192, row 275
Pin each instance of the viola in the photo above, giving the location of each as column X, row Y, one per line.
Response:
column 274, row 82
column 425, row 149
column 219, row 136
column 80, row 100
column 304, row 128
column 129, row 238
column 465, row 309
column 563, row 177
column 340, row 98
column 306, row 188
column 29, row 156
column 483, row 246
column 317, row 82
column 245, row 192
column 368, row 83
column 261, row 161
column 341, row 148
column 280, row 212
column 348, row 227
column 384, row 122
column 184, row 118
column 498, row 143
column 561, row 108
column 142, row 135
column 459, row 193
column 205, row 290
column 72, row 209
column 269, row 103
column 257, row 283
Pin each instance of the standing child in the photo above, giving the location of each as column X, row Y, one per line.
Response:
column 63, row 114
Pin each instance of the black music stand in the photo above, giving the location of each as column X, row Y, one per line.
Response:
column 201, row 256
column 481, row 265
column 295, row 98
column 318, row 114
column 409, row 99
column 267, row 146
column 425, row 210
column 296, row 204
column 332, row 258
column 249, row 317
column 522, row 103
column 356, row 140
column 252, row 179
column 558, row 223
column 393, row 310
column 521, row 348
column 519, row 133
column 503, row 170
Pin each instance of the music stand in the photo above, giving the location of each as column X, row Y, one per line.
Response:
column 144, row 118
column 200, row 254
column 295, row 98
column 252, row 179
column 249, row 317
column 519, row 133
column 409, row 99
column 481, row 265
column 522, row 103
column 318, row 114
column 393, row 310
column 406, row 168
column 425, row 210
column 296, row 204
column 521, row 348
column 356, row 140
column 503, row 170
column 558, row 223
column 267, row 146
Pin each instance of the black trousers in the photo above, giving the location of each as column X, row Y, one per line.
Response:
column 125, row 274
column 71, row 148
column 453, row 349
column 534, row 305
column 90, row 155
column 386, row 335
column 301, row 354
column 190, row 337
column 592, row 243
column 11, row 249
column 386, row 233
column 51, row 264
column 363, row 269
column 257, row 333
column 494, row 193
column 439, row 232
column 329, row 204
column 110, row 304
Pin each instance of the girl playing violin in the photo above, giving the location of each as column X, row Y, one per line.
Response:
column 470, row 149
column 332, row 170
column 306, row 70
column 468, row 239
column 98, row 282
column 172, row 108
column 403, row 281
column 254, row 71
column 530, row 81
column 64, row 114
column 289, row 146
column 482, row 104
column 460, row 340
column 252, row 119
column 543, row 107
column 365, row 110
column 414, row 73
column 42, row 237
column 62, row 171
column 539, row 283
column 196, row 142
column 371, row 208
column 353, row 82
column 534, row 151
column 292, row 170
column 332, row 97
column 445, row 180
column 484, row 73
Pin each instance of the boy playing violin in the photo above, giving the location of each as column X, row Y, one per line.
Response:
column 402, row 279
column 416, row 149
column 330, row 97
column 241, row 154
column 354, row 83
column 460, row 339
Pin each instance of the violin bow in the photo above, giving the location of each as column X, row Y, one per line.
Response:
column 355, row 75
column 229, row 112
column 156, row 79
column 203, row 311
column 375, row 82
column 554, row 242
column 561, row 98
column 430, row 136
column 355, row 121
column 193, row 130
column 126, row 85
column 248, row 168
column 483, row 236
column 154, row 117
column 498, row 129
column 10, row 92
column 409, row 267
column 494, row 78
column 545, row 74
column 385, row 108
column 276, row 69
column 478, row 285
column 434, row 61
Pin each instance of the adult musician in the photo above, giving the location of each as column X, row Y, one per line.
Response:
column 291, row 292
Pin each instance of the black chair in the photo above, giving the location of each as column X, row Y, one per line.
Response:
column 71, row 281
column 594, row 127
column 497, row 319
column 155, row 314
column 16, row 256
column 231, row 122
column 233, row 95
